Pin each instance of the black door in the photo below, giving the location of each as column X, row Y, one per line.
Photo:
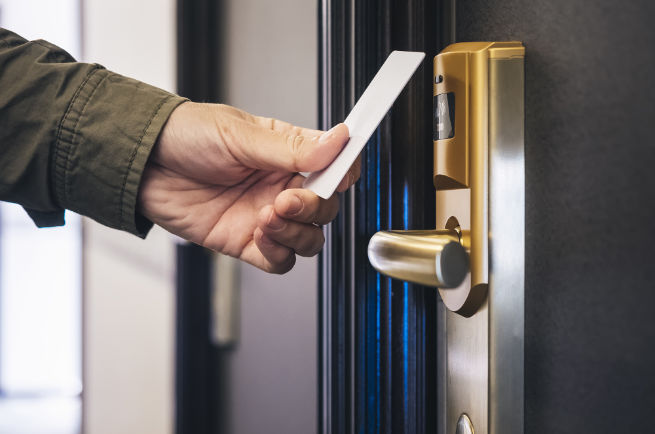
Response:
column 590, row 213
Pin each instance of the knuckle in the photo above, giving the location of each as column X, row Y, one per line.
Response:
column 225, row 133
column 268, row 122
column 296, row 130
column 296, row 144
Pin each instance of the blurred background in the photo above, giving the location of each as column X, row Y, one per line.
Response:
column 99, row 330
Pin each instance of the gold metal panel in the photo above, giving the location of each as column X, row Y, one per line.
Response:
column 451, row 159
column 481, row 357
column 461, row 162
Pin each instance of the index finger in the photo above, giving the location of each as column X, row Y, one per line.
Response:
column 286, row 127
column 351, row 176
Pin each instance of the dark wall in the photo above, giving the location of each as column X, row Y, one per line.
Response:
column 590, row 217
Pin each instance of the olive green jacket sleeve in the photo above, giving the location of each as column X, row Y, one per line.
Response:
column 74, row 135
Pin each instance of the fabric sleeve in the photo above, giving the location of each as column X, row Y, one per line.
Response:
column 74, row 135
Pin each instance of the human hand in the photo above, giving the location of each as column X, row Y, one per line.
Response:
column 227, row 180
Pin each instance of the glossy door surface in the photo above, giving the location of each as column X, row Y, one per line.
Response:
column 589, row 151
column 378, row 347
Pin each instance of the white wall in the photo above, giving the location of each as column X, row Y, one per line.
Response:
column 40, row 277
column 271, row 70
column 133, row 38
column 56, row 21
column 129, row 332
column 129, row 283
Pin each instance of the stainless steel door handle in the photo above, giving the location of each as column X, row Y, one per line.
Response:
column 431, row 258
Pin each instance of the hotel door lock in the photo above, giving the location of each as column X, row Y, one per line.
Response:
column 463, row 125
column 476, row 254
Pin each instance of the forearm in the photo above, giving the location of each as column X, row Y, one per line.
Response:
column 74, row 135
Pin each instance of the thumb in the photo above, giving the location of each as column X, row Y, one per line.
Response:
column 292, row 150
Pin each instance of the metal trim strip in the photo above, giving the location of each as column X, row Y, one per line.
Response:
column 506, row 245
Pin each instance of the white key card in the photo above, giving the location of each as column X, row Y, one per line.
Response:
column 365, row 117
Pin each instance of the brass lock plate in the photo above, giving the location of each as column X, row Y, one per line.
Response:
column 479, row 178
column 461, row 162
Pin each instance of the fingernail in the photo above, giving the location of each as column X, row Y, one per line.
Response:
column 274, row 222
column 326, row 136
column 295, row 206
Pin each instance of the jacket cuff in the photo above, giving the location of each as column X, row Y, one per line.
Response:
column 103, row 143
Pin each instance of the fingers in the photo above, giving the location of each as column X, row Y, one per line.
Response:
column 304, row 206
column 285, row 127
column 303, row 238
column 351, row 176
column 290, row 227
column 278, row 258
column 281, row 146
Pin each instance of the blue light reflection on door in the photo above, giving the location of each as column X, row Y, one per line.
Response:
column 387, row 388
column 405, row 310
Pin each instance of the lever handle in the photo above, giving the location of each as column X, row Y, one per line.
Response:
column 431, row 258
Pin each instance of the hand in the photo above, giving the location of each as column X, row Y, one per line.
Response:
column 228, row 180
